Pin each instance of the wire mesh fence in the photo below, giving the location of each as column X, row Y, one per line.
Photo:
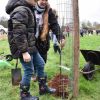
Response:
column 68, row 21
column 65, row 13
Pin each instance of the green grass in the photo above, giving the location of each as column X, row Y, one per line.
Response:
column 88, row 90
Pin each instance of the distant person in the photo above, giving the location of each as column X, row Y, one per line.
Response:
column 81, row 32
column 67, row 29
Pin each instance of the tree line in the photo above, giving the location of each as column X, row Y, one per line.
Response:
column 84, row 24
column 89, row 25
column 4, row 21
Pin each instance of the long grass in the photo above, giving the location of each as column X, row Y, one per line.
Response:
column 88, row 90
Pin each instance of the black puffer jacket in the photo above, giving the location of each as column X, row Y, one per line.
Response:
column 20, row 28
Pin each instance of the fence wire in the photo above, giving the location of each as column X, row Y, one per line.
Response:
column 65, row 19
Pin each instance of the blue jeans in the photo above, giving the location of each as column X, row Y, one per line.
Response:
column 36, row 60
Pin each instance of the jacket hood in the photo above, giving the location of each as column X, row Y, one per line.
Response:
column 12, row 4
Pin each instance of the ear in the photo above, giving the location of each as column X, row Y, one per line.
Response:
column 31, row 2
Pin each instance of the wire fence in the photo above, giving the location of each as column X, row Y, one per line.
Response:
column 66, row 19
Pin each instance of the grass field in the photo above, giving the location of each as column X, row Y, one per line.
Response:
column 88, row 90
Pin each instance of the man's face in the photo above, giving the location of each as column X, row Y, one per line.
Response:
column 42, row 3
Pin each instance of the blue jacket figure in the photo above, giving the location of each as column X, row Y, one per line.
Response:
column 56, row 44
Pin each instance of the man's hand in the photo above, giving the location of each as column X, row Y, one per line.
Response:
column 62, row 43
column 26, row 57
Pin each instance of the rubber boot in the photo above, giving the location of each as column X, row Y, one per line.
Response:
column 25, row 94
column 43, row 88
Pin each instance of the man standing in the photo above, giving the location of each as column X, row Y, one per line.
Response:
column 21, row 27
column 45, row 21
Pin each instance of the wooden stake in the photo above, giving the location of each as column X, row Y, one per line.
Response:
column 76, row 47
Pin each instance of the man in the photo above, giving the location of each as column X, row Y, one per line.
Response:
column 45, row 20
column 22, row 45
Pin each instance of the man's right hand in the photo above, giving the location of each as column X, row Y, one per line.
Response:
column 26, row 57
column 62, row 43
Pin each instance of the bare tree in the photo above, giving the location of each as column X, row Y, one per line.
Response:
column 3, row 21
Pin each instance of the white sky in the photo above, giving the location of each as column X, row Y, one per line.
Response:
column 88, row 9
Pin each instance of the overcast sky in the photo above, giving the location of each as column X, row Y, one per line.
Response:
column 88, row 9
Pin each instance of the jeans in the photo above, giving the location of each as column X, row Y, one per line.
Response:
column 44, row 56
column 36, row 60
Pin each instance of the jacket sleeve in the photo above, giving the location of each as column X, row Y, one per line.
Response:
column 54, row 26
column 19, row 22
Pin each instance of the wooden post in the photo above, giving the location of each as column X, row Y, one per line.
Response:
column 75, row 47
